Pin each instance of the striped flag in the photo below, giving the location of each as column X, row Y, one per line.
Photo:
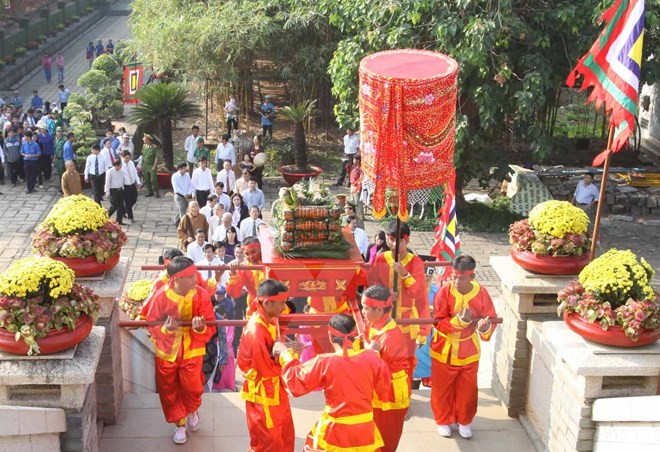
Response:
column 447, row 240
column 612, row 68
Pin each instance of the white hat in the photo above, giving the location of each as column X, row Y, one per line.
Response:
column 42, row 124
column 125, row 135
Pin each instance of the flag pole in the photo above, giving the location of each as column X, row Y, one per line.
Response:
column 601, row 195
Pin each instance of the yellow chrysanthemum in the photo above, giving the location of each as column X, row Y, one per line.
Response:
column 32, row 275
column 617, row 276
column 75, row 214
column 139, row 290
column 558, row 218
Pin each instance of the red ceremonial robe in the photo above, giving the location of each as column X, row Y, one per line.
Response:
column 266, row 402
column 455, row 353
column 347, row 422
column 412, row 302
column 249, row 279
column 179, row 354
column 390, row 412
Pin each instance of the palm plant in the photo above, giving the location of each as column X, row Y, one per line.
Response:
column 161, row 104
column 298, row 114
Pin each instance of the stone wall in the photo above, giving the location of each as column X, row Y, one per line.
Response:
column 28, row 429
column 619, row 199
column 109, row 387
column 627, row 423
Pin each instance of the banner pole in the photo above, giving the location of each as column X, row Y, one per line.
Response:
column 601, row 195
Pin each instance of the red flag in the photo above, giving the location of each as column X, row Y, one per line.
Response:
column 132, row 82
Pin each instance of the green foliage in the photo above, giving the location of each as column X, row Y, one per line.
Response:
column 102, row 97
column 108, row 65
column 495, row 217
column 160, row 104
column 298, row 114
column 20, row 51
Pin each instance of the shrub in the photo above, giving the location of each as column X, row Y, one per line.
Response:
column 59, row 27
column 75, row 18
column 20, row 51
column 2, row 65
column 41, row 39
column 9, row 59
column 32, row 45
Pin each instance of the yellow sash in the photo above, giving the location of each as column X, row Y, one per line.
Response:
column 318, row 431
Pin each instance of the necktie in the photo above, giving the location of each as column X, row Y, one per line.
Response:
column 254, row 228
column 96, row 165
column 227, row 184
column 112, row 156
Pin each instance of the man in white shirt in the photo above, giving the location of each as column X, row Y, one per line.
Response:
column 211, row 259
column 207, row 210
column 95, row 168
column 126, row 145
column 223, row 198
column 216, row 219
column 190, row 145
column 586, row 193
column 195, row 249
column 108, row 154
column 253, row 197
column 115, row 179
column 351, row 145
column 250, row 225
column 131, row 185
column 360, row 235
column 225, row 151
column 183, row 190
column 202, row 180
column 242, row 183
column 220, row 233
column 226, row 176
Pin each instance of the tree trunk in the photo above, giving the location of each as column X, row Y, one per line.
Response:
column 167, row 145
column 300, row 147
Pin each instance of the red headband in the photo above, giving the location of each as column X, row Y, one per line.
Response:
column 463, row 272
column 252, row 245
column 346, row 342
column 282, row 296
column 372, row 302
column 188, row 271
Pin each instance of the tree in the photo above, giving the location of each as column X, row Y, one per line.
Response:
column 159, row 105
column 298, row 114
column 102, row 97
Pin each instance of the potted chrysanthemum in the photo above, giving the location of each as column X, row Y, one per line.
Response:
column 553, row 240
column 42, row 309
column 612, row 302
column 78, row 232
column 131, row 302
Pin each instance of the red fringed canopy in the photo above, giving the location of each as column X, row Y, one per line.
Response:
column 407, row 117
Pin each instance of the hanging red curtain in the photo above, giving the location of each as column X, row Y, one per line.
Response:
column 407, row 107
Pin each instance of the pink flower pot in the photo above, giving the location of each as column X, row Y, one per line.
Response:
column 613, row 336
column 549, row 265
column 88, row 266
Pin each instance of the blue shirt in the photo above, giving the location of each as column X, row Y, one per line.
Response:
column 17, row 101
column 67, row 151
column 31, row 150
column 267, row 109
column 64, row 95
column 37, row 102
column 48, row 143
column 99, row 49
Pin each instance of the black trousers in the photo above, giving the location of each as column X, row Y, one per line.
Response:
column 21, row 168
column 267, row 129
column 45, row 167
column 130, row 198
column 31, row 168
column 117, row 204
column 12, row 171
column 345, row 164
column 201, row 196
column 232, row 124
column 98, row 185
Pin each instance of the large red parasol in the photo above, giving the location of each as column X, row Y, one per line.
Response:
column 407, row 113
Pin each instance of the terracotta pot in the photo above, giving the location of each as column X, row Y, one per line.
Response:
column 549, row 265
column 291, row 176
column 613, row 336
column 88, row 266
column 164, row 181
column 55, row 341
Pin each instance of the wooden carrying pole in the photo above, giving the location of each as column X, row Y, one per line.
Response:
column 601, row 195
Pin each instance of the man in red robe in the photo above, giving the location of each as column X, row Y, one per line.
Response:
column 249, row 279
column 411, row 301
column 170, row 253
column 348, row 378
column 389, row 412
column 266, row 402
column 455, row 349
column 180, row 349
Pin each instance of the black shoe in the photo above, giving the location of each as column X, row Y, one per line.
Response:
column 157, row 195
column 121, row 224
column 148, row 194
column 13, row 185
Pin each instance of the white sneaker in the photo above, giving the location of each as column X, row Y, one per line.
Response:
column 465, row 431
column 444, row 430
column 193, row 421
column 180, row 435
